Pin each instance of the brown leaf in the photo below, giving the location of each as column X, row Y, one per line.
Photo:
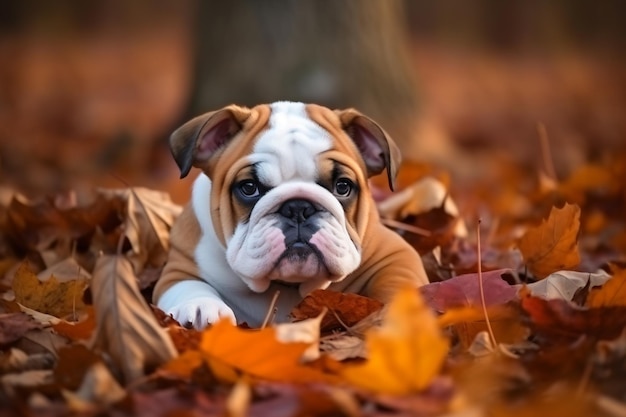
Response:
column 73, row 363
column 14, row 325
column 81, row 330
column 149, row 215
column 553, row 245
column 343, row 308
column 560, row 321
column 125, row 326
column 52, row 297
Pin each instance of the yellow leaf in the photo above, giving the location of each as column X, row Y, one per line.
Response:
column 51, row 297
column 231, row 351
column 611, row 294
column 553, row 246
column 405, row 353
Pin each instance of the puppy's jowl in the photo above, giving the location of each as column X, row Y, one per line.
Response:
column 282, row 204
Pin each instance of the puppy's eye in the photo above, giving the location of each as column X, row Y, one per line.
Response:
column 249, row 189
column 343, row 187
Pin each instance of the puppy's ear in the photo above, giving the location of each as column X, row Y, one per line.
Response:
column 195, row 142
column 378, row 150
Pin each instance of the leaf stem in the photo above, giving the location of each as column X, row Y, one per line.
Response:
column 271, row 311
column 481, row 288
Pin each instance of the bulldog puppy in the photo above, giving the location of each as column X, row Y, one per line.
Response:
column 283, row 204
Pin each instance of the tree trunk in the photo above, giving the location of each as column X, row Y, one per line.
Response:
column 338, row 53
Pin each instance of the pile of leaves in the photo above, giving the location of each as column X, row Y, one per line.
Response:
column 525, row 313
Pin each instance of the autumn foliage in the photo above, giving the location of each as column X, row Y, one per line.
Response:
column 532, row 324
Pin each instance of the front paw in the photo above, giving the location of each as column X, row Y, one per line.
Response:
column 201, row 311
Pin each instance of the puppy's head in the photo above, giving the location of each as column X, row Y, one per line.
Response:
column 289, row 196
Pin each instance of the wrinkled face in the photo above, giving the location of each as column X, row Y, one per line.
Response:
column 294, row 201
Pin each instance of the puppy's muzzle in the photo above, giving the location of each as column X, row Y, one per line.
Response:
column 298, row 225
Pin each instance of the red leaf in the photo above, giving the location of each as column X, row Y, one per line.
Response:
column 464, row 290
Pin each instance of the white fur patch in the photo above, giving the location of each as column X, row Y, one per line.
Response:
column 288, row 149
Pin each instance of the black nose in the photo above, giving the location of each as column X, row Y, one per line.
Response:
column 297, row 209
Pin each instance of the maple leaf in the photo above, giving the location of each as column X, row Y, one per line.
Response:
column 231, row 351
column 345, row 309
column 405, row 353
column 611, row 294
column 125, row 326
column 553, row 246
column 51, row 296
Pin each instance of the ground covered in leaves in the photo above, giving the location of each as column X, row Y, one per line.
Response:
column 525, row 313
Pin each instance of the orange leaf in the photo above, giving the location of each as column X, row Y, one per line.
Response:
column 405, row 353
column 231, row 351
column 611, row 294
column 81, row 330
column 553, row 246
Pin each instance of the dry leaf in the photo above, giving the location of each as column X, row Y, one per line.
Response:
column 125, row 326
column 80, row 330
column 344, row 309
column 405, row 353
column 343, row 346
column 14, row 325
column 52, row 297
column 149, row 217
column 565, row 284
column 553, row 245
column 231, row 351
column 305, row 331
column 612, row 293
column 98, row 388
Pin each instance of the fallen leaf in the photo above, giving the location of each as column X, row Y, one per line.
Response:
column 405, row 353
column 149, row 216
column 553, row 245
column 98, row 388
column 73, row 363
column 343, row 346
column 125, row 326
column 227, row 350
column 464, row 290
column 80, row 330
column 344, row 309
column 14, row 325
column 612, row 293
column 565, row 284
column 562, row 322
column 59, row 299
column 304, row 331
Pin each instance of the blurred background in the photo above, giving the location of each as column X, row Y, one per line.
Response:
column 90, row 90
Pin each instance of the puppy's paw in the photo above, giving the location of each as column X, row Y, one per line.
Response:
column 201, row 311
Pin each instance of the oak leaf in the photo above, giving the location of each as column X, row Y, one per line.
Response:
column 565, row 284
column 405, row 353
column 553, row 245
column 51, row 296
column 125, row 326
